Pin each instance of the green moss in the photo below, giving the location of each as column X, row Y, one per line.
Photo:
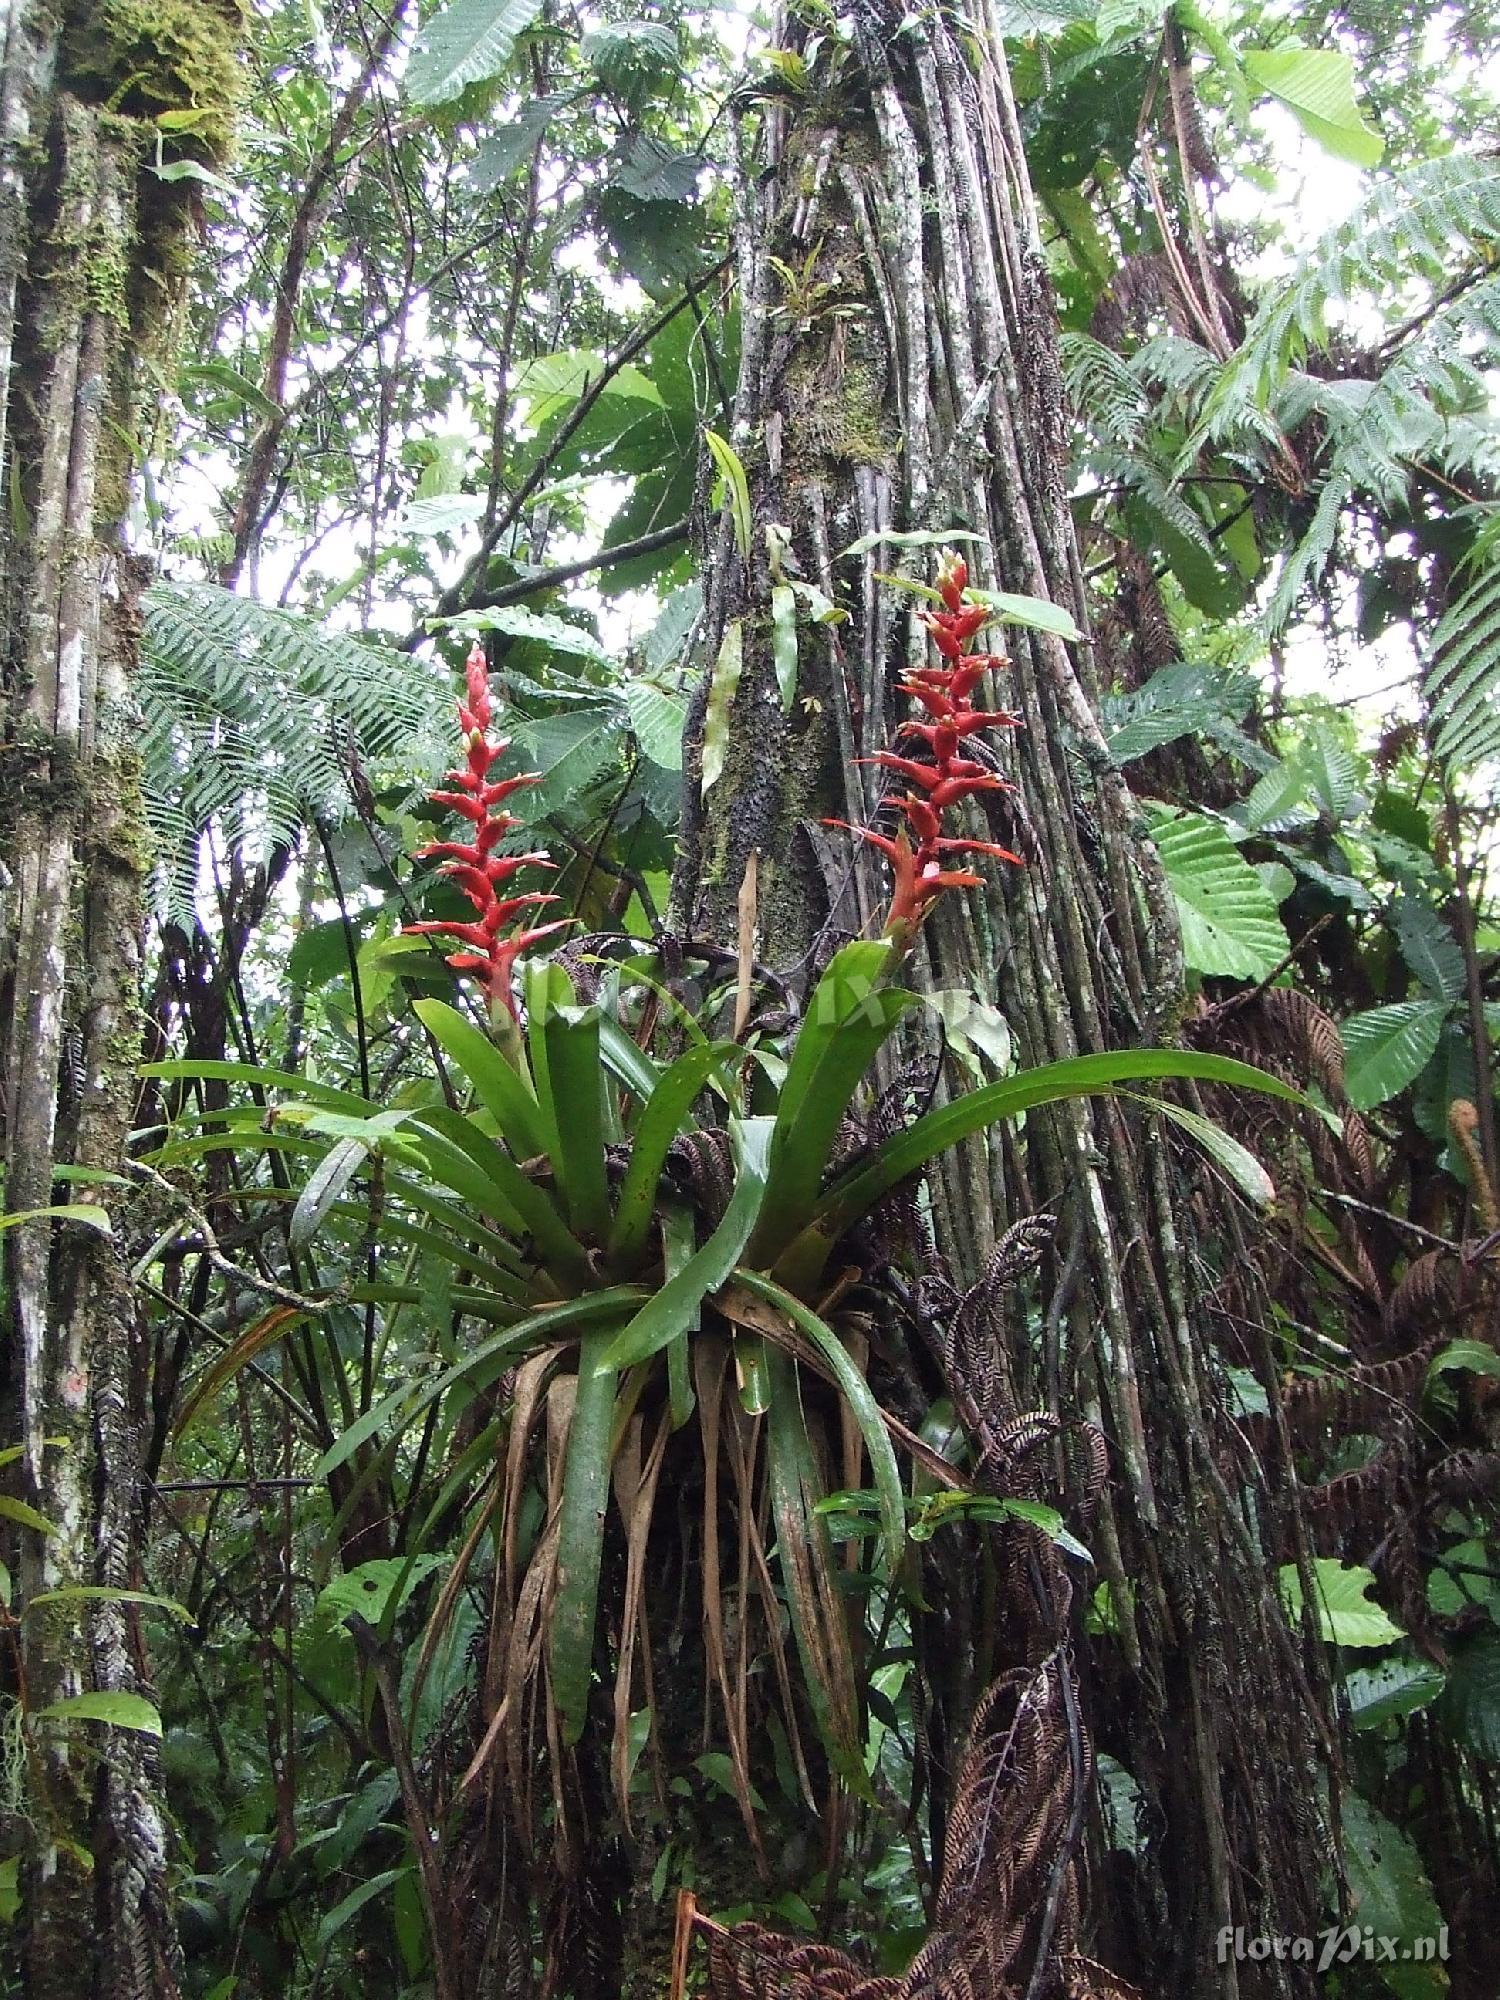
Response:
column 173, row 64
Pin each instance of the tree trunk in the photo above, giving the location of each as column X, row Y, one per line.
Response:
column 899, row 372
column 98, row 219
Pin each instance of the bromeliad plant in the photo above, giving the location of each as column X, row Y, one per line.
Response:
column 642, row 1218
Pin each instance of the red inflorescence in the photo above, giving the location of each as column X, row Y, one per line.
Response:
column 916, row 853
column 489, row 950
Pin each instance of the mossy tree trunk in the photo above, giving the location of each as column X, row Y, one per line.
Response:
column 900, row 372
column 93, row 241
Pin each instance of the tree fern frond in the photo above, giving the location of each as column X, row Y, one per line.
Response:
column 1462, row 686
column 249, row 716
column 1432, row 404
column 1104, row 391
column 1422, row 226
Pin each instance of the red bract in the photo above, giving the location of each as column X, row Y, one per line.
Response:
column 944, row 777
column 478, row 871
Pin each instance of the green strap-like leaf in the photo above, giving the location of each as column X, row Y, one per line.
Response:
column 498, row 1085
column 536, row 1329
column 848, row 1018
column 580, row 1535
column 663, row 1117
column 1079, row 1076
column 673, row 1308
column 571, row 1038
column 857, row 1393
column 509, row 1193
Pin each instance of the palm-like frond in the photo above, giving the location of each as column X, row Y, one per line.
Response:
column 1462, row 685
column 250, row 716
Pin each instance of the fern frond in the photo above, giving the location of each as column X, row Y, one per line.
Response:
column 249, row 716
column 1422, row 226
column 1462, row 685
column 1431, row 405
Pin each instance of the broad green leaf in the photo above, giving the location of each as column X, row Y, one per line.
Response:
column 722, row 691
column 370, row 1589
column 1035, row 612
column 580, row 1535
column 505, row 146
column 1389, row 1891
column 1237, row 1161
column 857, row 1394
column 1428, row 946
column 558, row 635
column 673, row 1307
column 1387, row 1047
column 554, row 382
column 657, row 719
column 119, row 1710
column 497, row 1083
column 1317, row 87
column 678, row 1241
column 1471, row 1701
column 902, row 1155
column 1390, row 1688
column 1230, row 927
column 663, row 1116
column 736, row 487
column 467, row 41
column 1478, row 1356
column 1343, row 1614
column 784, row 641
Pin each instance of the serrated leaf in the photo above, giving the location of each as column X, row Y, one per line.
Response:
column 1317, row 87
column 658, row 720
column 1182, row 699
column 118, row 1709
column 542, row 628
column 1428, row 946
column 1343, row 1613
column 1230, row 927
column 468, row 41
column 722, row 691
column 1385, row 1048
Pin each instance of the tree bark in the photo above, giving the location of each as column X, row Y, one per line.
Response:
column 899, row 372
column 93, row 246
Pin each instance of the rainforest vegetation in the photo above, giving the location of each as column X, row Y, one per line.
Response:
column 749, row 975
